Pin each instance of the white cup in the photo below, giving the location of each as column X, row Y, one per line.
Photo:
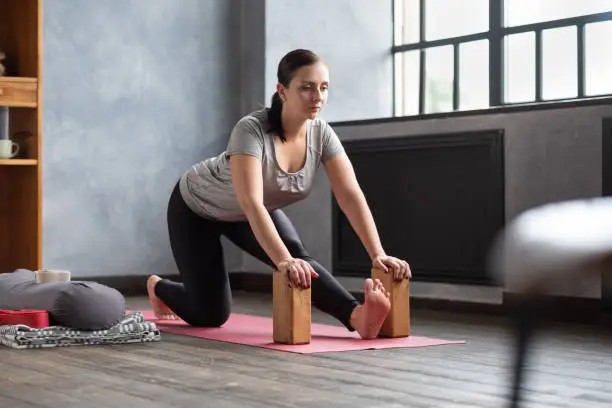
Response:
column 52, row 275
column 8, row 149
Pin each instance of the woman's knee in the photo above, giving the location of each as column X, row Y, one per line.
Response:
column 288, row 234
column 296, row 249
column 208, row 317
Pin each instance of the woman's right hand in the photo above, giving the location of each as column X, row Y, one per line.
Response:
column 297, row 271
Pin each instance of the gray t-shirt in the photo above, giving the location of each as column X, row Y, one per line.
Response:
column 207, row 186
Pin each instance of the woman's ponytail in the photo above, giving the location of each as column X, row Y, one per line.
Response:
column 275, row 117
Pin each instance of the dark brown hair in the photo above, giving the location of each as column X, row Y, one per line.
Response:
column 291, row 62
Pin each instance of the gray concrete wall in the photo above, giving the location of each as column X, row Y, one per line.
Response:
column 354, row 38
column 135, row 92
column 252, row 53
column 550, row 155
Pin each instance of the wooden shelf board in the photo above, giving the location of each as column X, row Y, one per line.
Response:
column 16, row 104
column 23, row 80
column 18, row 162
column 22, row 91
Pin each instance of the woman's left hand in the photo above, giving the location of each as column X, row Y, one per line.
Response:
column 398, row 267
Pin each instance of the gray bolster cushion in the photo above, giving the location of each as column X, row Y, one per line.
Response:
column 80, row 305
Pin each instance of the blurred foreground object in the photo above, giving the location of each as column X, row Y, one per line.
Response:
column 543, row 248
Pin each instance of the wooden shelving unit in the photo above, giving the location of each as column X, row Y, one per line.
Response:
column 21, row 177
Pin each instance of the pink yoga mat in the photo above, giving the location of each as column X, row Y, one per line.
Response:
column 257, row 331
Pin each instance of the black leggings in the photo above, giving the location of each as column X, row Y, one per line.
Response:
column 204, row 296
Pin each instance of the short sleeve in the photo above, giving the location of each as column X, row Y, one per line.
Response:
column 246, row 138
column 331, row 144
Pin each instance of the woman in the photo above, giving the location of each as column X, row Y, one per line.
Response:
column 270, row 162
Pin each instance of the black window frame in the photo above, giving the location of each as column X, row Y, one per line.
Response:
column 496, row 36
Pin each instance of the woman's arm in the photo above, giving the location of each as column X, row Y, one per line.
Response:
column 248, row 187
column 353, row 204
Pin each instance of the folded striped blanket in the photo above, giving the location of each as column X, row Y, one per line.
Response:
column 131, row 329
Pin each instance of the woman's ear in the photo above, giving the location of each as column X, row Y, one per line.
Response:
column 281, row 92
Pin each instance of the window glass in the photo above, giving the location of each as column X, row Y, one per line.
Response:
column 474, row 75
column 407, row 83
column 453, row 18
column 559, row 63
column 598, row 58
column 519, row 12
column 519, row 72
column 407, row 21
column 439, row 79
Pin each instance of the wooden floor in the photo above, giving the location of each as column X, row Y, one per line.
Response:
column 572, row 367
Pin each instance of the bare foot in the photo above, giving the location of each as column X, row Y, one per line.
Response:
column 160, row 309
column 368, row 318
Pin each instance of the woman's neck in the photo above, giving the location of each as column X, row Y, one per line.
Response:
column 293, row 128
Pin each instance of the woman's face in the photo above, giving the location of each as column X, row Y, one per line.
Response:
column 307, row 92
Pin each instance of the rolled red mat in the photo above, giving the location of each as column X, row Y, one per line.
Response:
column 33, row 318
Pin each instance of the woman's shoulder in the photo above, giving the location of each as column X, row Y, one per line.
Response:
column 257, row 118
column 321, row 129
column 253, row 124
column 248, row 134
column 324, row 139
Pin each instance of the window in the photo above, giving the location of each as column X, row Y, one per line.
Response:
column 472, row 54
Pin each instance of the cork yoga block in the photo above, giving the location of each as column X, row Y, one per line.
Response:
column 291, row 312
column 397, row 323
